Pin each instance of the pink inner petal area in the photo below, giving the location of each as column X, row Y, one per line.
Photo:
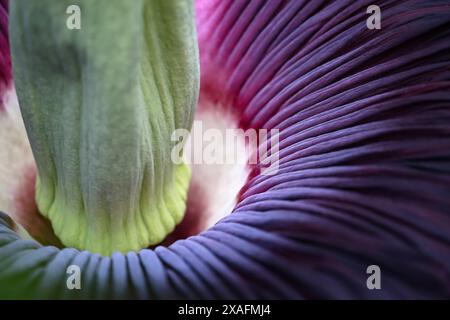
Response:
column 18, row 172
column 215, row 184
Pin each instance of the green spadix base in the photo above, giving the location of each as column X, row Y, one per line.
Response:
column 100, row 105
column 148, row 219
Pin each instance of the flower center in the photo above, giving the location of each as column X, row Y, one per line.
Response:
column 220, row 168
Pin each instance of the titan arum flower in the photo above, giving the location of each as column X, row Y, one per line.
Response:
column 364, row 169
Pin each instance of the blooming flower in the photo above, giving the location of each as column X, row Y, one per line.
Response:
column 364, row 154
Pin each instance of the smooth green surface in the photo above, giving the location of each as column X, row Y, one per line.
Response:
column 100, row 105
